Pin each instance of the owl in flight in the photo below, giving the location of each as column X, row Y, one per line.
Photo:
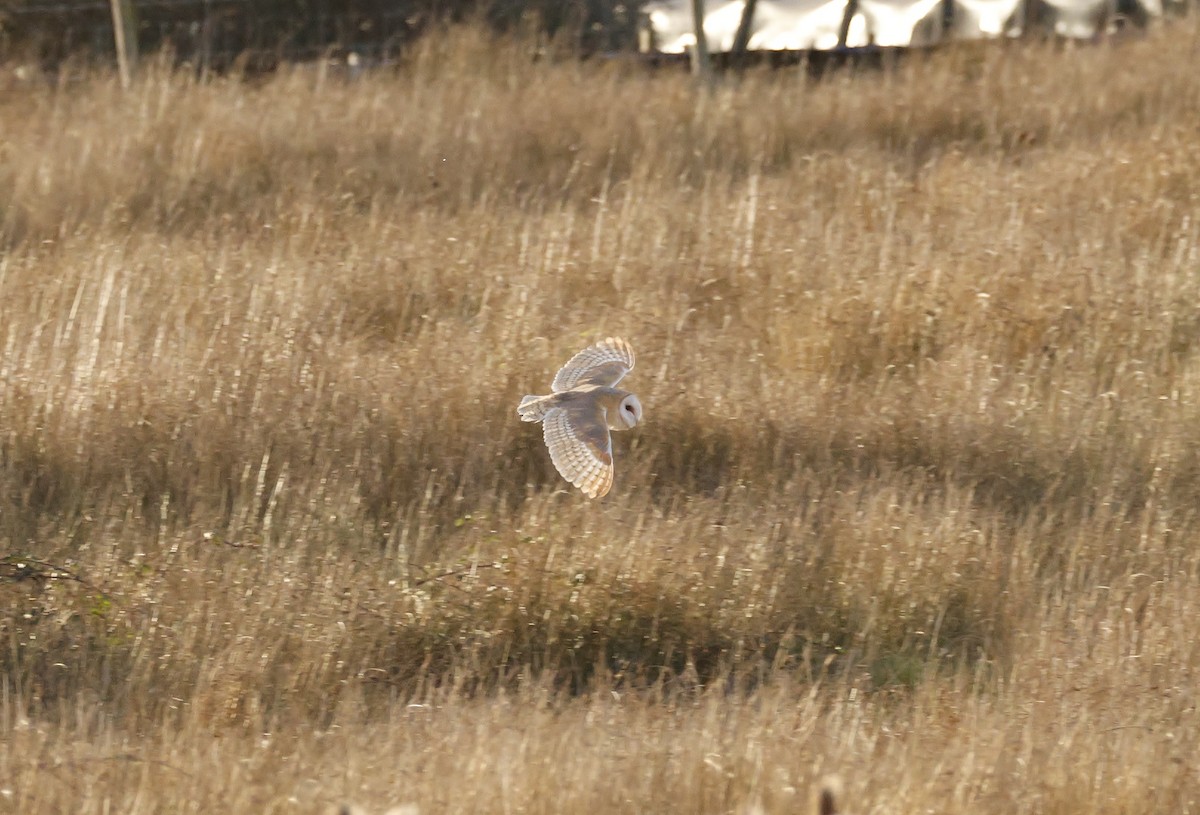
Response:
column 584, row 406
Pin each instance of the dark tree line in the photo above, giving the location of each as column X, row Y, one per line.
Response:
column 215, row 33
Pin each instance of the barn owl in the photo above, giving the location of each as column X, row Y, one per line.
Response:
column 584, row 406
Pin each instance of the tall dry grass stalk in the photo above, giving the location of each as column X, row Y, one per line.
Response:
column 915, row 500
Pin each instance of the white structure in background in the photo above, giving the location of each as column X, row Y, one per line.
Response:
column 902, row 23
column 802, row 25
column 984, row 19
column 793, row 25
column 1080, row 19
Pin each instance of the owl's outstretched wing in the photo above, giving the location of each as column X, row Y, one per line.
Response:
column 604, row 363
column 580, row 447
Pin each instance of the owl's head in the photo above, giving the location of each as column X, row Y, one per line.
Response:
column 630, row 411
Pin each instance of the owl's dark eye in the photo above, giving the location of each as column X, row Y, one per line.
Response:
column 629, row 408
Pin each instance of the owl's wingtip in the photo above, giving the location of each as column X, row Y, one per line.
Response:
column 591, row 489
column 623, row 345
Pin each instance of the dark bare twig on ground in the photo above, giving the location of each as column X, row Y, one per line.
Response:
column 456, row 573
column 15, row 569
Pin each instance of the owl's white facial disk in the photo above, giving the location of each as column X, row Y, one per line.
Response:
column 629, row 411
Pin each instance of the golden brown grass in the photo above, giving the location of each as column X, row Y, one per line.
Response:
column 915, row 500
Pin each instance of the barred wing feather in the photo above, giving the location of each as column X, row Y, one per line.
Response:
column 581, row 450
column 604, row 363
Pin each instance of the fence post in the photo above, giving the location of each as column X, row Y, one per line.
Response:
column 700, row 66
column 125, row 34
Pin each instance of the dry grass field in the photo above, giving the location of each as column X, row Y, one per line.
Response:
column 916, row 500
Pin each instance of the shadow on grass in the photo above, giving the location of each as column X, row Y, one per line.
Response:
column 1004, row 470
column 429, row 474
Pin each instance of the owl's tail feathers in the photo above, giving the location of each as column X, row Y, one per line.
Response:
column 533, row 408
